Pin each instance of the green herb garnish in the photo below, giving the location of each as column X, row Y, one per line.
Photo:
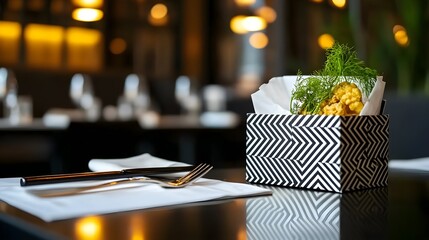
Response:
column 342, row 65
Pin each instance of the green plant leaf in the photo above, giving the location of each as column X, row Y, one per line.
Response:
column 342, row 65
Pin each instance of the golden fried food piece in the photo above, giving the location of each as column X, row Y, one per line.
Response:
column 334, row 109
column 346, row 100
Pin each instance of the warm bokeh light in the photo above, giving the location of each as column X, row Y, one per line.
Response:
column 43, row 45
column 89, row 228
column 397, row 28
column 118, row 46
column 401, row 36
column 339, row 3
column 245, row 3
column 241, row 233
column 84, row 49
column 258, row 40
column 317, row 1
column 242, row 24
column 10, row 30
column 158, row 15
column 44, row 33
column 88, row 3
column 83, row 36
column 159, row 11
column 138, row 226
column 267, row 13
column 254, row 23
column 10, row 35
column 87, row 14
column 326, row 41
column 236, row 24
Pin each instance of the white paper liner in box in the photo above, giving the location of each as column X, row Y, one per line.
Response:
column 274, row 96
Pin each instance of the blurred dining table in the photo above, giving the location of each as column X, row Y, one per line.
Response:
column 399, row 211
column 66, row 145
column 30, row 144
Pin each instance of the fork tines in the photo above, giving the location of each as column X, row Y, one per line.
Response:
column 196, row 173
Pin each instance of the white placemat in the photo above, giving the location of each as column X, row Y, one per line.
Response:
column 123, row 199
column 131, row 196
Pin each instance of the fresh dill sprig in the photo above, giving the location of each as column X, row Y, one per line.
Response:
column 341, row 65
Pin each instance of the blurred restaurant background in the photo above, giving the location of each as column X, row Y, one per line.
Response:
column 85, row 79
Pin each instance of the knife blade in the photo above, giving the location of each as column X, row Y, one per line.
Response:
column 83, row 176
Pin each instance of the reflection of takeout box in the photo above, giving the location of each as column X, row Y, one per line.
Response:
column 301, row 214
column 328, row 153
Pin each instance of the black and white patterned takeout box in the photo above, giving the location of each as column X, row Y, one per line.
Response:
column 319, row 152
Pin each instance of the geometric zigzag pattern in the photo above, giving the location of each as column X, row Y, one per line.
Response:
column 329, row 153
column 364, row 152
column 300, row 214
column 294, row 214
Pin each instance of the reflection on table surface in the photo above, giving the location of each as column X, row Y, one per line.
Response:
column 397, row 212
column 306, row 214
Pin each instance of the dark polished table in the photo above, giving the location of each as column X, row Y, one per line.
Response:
column 399, row 211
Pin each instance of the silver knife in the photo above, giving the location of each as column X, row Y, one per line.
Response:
column 83, row 176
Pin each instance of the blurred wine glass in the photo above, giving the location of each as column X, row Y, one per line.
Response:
column 81, row 91
column 82, row 95
column 8, row 90
column 136, row 91
column 182, row 88
column 186, row 96
column 135, row 99
column 8, row 82
column 215, row 98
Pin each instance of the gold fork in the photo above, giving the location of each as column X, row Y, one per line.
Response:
column 187, row 179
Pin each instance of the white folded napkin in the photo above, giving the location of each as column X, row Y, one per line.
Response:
column 141, row 161
column 418, row 164
column 139, row 196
